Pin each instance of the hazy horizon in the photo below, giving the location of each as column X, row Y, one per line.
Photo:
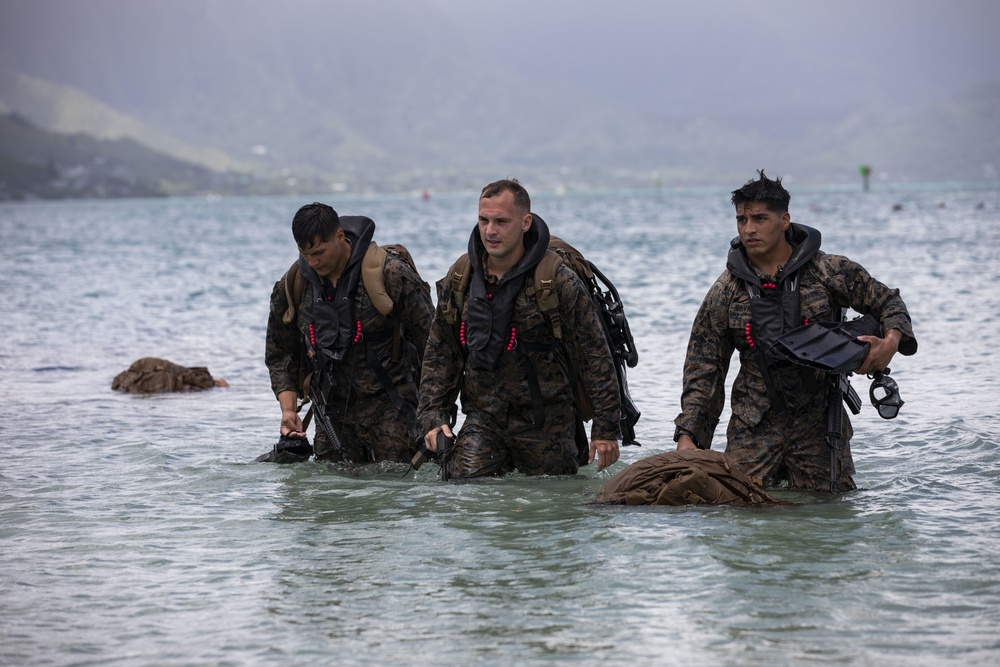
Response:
column 636, row 82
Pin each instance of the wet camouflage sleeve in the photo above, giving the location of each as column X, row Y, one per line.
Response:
column 283, row 346
column 444, row 361
column 828, row 283
column 584, row 338
column 411, row 300
column 852, row 286
column 709, row 351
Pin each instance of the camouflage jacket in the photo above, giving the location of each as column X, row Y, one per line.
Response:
column 827, row 284
column 446, row 374
column 286, row 348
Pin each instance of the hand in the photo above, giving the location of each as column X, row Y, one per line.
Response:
column 606, row 452
column 291, row 423
column 880, row 351
column 430, row 439
column 685, row 442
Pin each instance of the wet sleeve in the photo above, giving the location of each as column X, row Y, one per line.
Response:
column 442, row 372
column 411, row 302
column 588, row 349
column 868, row 296
column 282, row 349
column 706, row 364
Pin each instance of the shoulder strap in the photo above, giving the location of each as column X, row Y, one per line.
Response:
column 373, row 276
column 458, row 278
column 295, row 284
column 544, row 290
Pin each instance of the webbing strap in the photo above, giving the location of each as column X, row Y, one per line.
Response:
column 777, row 400
column 460, row 276
column 534, row 389
column 543, row 290
column 383, row 376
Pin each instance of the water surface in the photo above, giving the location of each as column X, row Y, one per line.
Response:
column 136, row 530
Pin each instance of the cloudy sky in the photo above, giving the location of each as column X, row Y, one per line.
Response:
column 744, row 55
column 389, row 72
column 730, row 56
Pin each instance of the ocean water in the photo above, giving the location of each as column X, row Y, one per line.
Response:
column 138, row 531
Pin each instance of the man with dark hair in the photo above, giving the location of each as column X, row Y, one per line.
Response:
column 495, row 346
column 363, row 345
column 776, row 280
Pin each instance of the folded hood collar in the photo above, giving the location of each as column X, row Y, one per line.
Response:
column 805, row 242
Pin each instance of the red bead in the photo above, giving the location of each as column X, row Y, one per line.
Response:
column 513, row 339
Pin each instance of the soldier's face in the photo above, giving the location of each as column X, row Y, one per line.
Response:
column 502, row 226
column 327, row 257
column 761, row 230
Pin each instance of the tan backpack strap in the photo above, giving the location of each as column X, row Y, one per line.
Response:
column 373, row 276
column 458, row 278
column 295, row 284
column 544, row 289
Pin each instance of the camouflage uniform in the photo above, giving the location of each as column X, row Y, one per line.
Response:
column 369, row 426
column 769, row 444
column 501, row 432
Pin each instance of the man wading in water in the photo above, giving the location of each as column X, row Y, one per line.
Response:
column 497, row 348
column 777, row 279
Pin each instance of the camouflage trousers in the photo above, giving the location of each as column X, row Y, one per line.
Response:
column 369, row 431
column 487, row 448
column 792, row 448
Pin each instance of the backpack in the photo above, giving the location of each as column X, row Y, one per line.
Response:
column 372, row 275
column 690, row 477
column 611, row 313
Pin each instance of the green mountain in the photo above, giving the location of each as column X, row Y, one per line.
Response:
column 67, row 110
column 395, row 95
column 38, row 164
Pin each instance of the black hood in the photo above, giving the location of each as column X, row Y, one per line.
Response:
column 805, row 242
column 489, row 315
column 776, row 310
column 359, row 230
column 536, row 242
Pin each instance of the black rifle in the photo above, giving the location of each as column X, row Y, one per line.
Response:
column 319, row 387
column 444, row 447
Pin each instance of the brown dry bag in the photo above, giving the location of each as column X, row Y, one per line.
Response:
column 691, row 477
column 150, row 375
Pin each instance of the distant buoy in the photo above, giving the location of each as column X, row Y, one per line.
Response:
column 865, row 171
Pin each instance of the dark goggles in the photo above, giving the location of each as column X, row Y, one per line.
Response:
column 884, row 394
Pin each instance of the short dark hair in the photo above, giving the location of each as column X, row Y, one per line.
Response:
column 521, row 198
column 314, row 221
column 769, row 192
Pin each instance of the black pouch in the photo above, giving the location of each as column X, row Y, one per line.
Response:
column 288, row 450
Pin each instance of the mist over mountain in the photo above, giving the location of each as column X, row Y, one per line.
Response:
column 396, row 94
